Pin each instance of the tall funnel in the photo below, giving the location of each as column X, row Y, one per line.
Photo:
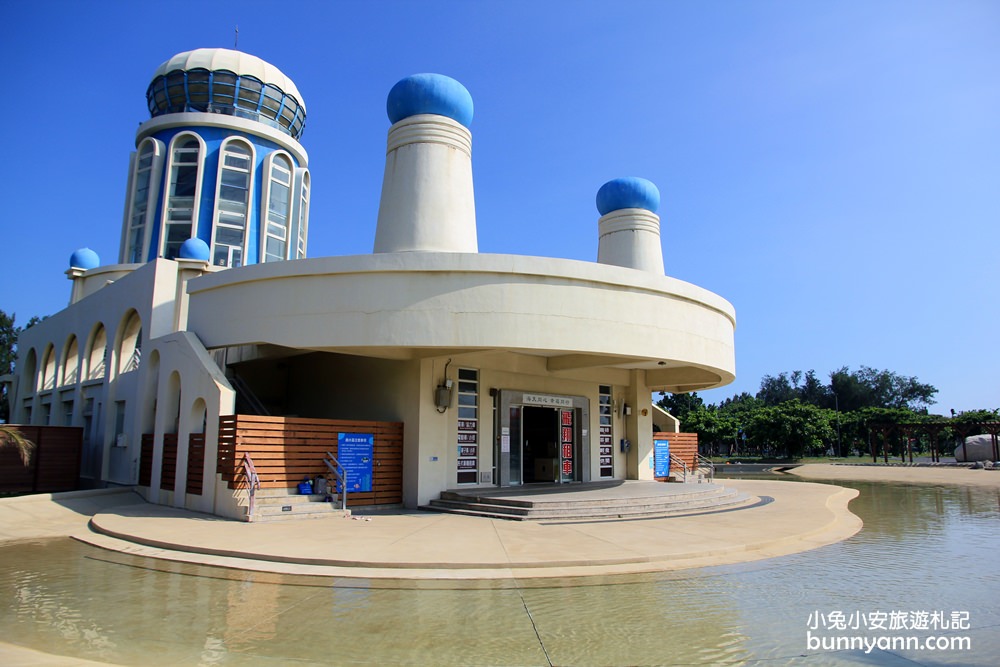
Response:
column 427, row 200
column 629, row 228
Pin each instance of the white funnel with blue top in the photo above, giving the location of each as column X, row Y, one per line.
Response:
column 629, row 228
column 427, row 202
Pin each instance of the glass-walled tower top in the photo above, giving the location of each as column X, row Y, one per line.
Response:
column 218, row 161
column 227, row 82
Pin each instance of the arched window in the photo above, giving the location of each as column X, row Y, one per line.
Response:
column 48, row 380
column 302, row 215
column 142, row 201
column 181, row 217
column 277, row 206
column 130, row 345
column 232, row 203
column 28, row 375
column 71, row 362
column 98, row 354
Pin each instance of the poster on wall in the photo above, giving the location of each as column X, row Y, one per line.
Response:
column 661, row 452
column 355, row 451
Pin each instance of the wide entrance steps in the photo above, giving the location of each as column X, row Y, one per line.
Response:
column 282, row 504
column 591, row 501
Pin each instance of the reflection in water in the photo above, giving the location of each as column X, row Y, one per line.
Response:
column 922, row 549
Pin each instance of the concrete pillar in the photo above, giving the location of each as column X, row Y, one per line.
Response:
column 427, row 202
column 629, row 228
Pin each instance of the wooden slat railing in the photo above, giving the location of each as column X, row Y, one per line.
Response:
column 287, row 449
column 195, row 465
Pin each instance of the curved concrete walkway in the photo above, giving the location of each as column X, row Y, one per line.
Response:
column 790, row 517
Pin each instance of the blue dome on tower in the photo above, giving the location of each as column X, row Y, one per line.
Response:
column 628, row 192
column 194, row 249
column 85, row 259
column 429, row 93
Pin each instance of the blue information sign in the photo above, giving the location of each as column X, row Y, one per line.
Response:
column 355, row 453
column 661, row 452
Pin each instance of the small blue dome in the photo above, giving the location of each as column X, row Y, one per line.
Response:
column 85, row 259
column 194, row 249
column 628, row 192
column 429, row 93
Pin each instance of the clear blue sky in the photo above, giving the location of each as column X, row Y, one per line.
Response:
column 831, row 168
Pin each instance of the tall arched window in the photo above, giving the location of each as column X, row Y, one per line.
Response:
column 277, row 206
column 29, row 373
column 130, row 344
column 98, row 354
column 181, row 217
column 142, row 201
column 232, row 204
column 302, row 216
column 48, row 379
column 71, row 362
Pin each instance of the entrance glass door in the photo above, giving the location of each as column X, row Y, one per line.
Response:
column 539, row 444
column 514, row 477
column 542, row 438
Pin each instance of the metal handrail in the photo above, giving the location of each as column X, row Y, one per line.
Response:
column 707, row 463
column 253, row 482
column 676, row 460
column 341, row 476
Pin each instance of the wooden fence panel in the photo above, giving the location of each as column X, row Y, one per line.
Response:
column 287, row 449
column 196, row 464
column 682, row 445
column 146, row 460
column 54, row 465
column 168, row 469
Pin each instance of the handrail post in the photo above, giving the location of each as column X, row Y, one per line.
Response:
column 341, row 474
column 253, row 483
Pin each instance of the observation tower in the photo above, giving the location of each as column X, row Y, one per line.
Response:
column 219, row 160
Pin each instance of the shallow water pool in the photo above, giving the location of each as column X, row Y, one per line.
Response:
column 926, row 558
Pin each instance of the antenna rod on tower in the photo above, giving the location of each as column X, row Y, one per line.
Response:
column 236, row 42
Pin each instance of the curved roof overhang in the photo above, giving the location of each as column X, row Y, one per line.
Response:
column 578, row 315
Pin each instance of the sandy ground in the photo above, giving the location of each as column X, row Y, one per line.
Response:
column 902, row 474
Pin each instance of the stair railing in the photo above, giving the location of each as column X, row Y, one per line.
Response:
column 679, row 462
column 245, row 393
column 338, row 471
column 706, row 464
column 253, row 483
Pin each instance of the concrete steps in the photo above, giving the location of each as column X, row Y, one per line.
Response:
column 682, row 499
column 285, row 504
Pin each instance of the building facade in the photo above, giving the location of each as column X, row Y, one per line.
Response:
column 504, row 369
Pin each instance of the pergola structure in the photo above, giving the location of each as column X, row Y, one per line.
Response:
column 933, row 431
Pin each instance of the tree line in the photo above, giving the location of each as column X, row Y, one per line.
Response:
column 797, row 414
column 9, row 331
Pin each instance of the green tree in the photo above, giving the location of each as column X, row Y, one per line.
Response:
column 792, row 429
column 679, row 405
column 872, row 388
column 9, row 332
column 973, row 416
column 776, row 389
column 716, row 430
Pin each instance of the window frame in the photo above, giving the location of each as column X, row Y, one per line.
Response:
column 219, row 213
column 154, row 172
column 271, row 163
column 300, row 212
column 169, row 196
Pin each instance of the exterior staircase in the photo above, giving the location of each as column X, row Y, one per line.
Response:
column 675, row 499
column 286, row 504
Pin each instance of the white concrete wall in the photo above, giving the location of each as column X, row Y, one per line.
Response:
column 578, row 314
